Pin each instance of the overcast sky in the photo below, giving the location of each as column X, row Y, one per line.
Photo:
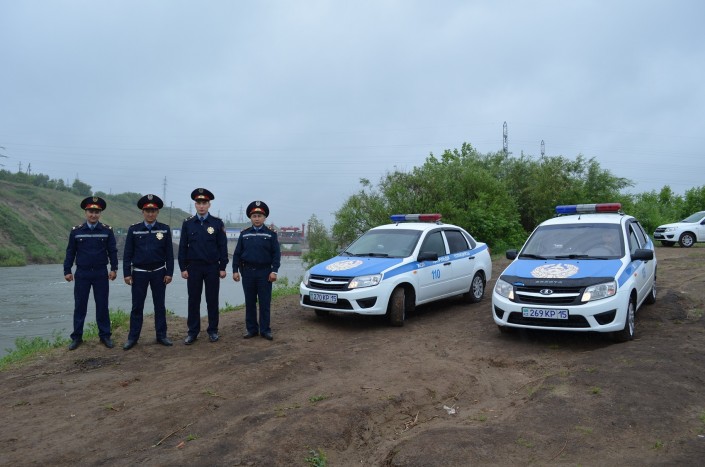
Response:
column 293, row 102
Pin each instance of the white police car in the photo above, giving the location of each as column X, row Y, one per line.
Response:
column 392, row 268
column 687, row 232
column 589, row 269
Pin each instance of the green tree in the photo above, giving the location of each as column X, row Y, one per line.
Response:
column 80, row 188
column 321, row 246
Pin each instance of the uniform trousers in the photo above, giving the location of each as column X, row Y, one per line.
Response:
column 141, row 281
column 257, row 288
column 200, row 274
column 84, row 280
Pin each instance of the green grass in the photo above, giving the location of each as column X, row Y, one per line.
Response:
column 26, row 348
column 282, row 288
column 316, row 458
column 317, row 398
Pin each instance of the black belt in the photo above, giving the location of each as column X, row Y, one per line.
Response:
column 255, row 266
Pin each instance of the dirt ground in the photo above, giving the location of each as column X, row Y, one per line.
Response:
column 445, row 389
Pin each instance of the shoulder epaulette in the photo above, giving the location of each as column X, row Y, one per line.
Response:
column 107, row 226
column 189, row 218
column 76, row 226
column 136, row 223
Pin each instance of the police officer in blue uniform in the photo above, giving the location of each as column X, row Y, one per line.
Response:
column 148, row 262
column 91, row 246
column 203, row 257
column 258, row 257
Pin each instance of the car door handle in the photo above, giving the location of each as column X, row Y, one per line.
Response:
column 447, row 264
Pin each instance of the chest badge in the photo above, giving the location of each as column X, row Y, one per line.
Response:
column 210, row 230
column 160, row 235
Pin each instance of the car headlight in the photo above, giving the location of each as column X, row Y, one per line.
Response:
column 365, row 281
column 307, row 275
column 599, row 291
column 505, row 289
column 670, row 229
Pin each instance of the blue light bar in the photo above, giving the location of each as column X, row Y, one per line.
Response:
column 415, row 217
column 588, row 208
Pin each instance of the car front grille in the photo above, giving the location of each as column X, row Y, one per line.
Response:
column 318, row 282
column 532, row 295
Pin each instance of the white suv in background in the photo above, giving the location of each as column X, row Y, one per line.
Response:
column 686, row 232
column 391, row 269
column 589, row 269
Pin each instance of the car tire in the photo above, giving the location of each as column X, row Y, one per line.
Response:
column 322, row 313
column 627, row 333
column 687, row 240
column 651, row 298
column 665, row 243
column 477, row 289
column 396, row 311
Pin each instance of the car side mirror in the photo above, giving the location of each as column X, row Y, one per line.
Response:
column 643, row 254
column 427, row 256
column 511, row 254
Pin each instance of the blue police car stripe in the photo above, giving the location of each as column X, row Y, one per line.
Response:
column 425, row 264
column 586, row 268
column 390, row 267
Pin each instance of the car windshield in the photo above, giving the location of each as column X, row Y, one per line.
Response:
column 398, row 243
column 576, row 241
column 694, row 218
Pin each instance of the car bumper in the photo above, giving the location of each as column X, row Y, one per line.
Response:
column 666, row 236
column 606, row 315
column 364, row 301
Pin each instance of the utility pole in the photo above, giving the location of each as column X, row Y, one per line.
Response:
column 505, row 139
column 543, row 148
column 164, row 191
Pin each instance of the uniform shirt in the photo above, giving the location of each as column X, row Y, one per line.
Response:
column 148, row 249
column 258, row 248
column 91, row 248
column 205, row 243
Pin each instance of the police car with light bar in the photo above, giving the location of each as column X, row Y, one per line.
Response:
column 589, row 269
column 391, row 269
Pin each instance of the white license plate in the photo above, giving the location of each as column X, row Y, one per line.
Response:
column 544, row 313
column 323, row 297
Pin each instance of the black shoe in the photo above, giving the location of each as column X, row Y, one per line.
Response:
column 268, row 336
column 213, row 337
column 108, row 342
column 249, row 335
column 165, row 341
column 189, row 340
column 129, row 344
column 75, row 343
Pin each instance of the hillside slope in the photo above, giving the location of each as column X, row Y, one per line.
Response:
column 35, row 222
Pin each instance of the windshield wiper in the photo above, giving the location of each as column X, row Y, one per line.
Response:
column 573, row 256
column 383, row 255
column 529, row 255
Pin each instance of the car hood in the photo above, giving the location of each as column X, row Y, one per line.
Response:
column 675, row 224
column 346, row 266
column 563, row 268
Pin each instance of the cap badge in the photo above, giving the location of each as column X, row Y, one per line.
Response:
column 150, row 197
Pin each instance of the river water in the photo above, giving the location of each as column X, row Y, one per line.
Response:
column 36, row 301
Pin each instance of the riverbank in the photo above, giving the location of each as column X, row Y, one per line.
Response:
column 37, row 302
column 446, row 389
